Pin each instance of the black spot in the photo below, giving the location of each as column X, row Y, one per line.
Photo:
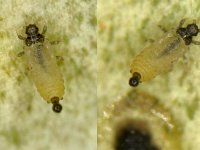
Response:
column 57, row 107
column 133, row 139
column 134, row 81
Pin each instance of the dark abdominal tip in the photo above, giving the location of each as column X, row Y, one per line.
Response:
column 134, row 81
column 57, row 107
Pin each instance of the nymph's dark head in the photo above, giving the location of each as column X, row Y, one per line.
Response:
column 31, row 30
column 188, row 32
column 33, row 35
column 135, row 79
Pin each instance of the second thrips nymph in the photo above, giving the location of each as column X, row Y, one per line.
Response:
column 160, row 56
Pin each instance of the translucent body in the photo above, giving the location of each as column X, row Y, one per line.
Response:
column 159, row 56
column 44, row 71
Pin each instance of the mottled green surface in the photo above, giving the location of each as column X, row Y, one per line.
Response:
column 124, row 28
column 26, row 120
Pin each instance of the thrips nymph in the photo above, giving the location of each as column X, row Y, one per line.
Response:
column 160, row 56
column 42, row 66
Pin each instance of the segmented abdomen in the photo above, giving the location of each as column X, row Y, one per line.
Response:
column 158, row 57
column 45, row 72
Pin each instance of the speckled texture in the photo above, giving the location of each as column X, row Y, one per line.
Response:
column 27, row 121
column 124, row 29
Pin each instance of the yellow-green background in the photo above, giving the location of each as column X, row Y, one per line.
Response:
column 124, row 28
column 26, row 120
